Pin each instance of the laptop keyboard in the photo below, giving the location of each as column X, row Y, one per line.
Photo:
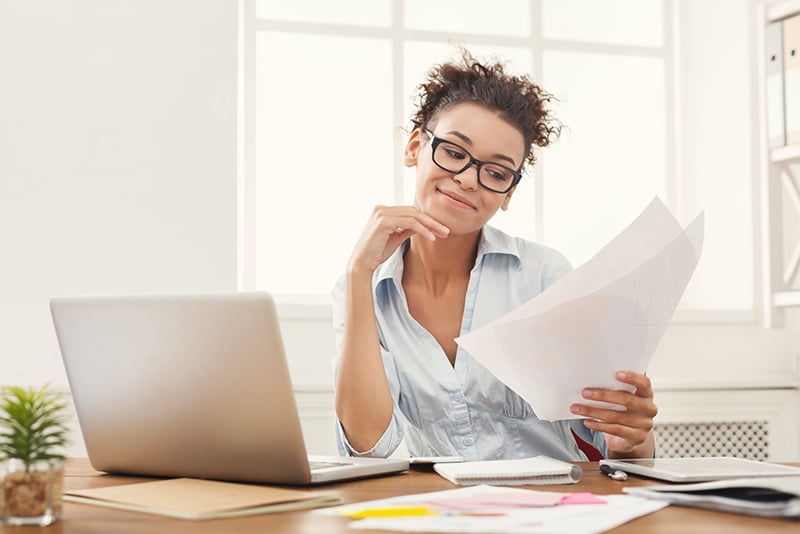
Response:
column 322, row 465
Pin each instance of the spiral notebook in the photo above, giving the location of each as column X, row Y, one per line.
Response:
column 537, row 470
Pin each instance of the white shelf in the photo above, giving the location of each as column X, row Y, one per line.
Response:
column 785, row 153
column 786, row 298
column 780, row 168
column 781, row 10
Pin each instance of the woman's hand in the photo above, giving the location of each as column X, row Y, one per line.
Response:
column 387, row 228
column 628, row 433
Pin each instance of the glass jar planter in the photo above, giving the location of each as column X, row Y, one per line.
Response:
column 32, row 496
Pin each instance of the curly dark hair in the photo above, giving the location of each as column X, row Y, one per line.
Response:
column 517, row 99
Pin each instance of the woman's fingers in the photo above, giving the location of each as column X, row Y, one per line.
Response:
column 630, row 424
column 644, row 387
column 409, row 220
column 387, row 228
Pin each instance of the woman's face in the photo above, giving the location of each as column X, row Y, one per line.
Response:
column 457, row 200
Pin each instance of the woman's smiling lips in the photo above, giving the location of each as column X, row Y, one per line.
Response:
column 459, row 201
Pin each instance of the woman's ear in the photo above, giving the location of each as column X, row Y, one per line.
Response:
column 504, row 205
column 413, row 146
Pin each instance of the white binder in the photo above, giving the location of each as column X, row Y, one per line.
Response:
column 776, row 126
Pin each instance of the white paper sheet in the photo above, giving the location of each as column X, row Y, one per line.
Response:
column 565, row 518
column 607, row 315
column 571, row 519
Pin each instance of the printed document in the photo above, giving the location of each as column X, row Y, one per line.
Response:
column 496, row 509
column 607, row 315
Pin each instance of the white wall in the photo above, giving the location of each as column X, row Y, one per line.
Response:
column 118, row 159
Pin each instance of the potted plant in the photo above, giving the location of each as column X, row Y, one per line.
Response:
column 33, row 432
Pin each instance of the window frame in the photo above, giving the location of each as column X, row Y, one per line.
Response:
column 398, row 36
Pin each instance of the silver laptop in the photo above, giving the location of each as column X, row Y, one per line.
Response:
column 700, row 469
column 190, row 386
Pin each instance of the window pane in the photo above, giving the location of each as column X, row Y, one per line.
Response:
column 323, row 154
column 610, row 161
column 716, row 152
column 356, row 12
column 420, row 56
column 498, row 17
column 629, row 22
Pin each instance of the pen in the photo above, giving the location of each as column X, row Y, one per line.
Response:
column 613, row 474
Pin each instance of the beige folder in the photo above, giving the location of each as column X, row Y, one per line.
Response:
column 190, row 498
column 791, row 78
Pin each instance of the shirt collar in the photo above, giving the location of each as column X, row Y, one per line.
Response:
column 492, row 241
column 392, row 268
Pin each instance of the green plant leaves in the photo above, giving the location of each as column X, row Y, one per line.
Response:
column 32, row 424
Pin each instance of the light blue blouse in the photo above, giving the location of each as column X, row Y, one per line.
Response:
column 463, row 410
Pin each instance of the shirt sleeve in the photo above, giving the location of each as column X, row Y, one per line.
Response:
column 592, row 437
column 556, row 268
column 393, row 435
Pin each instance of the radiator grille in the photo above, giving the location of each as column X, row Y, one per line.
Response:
column 743, row 439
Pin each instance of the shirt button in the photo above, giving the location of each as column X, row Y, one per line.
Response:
column 468, row 442
column 458, row 397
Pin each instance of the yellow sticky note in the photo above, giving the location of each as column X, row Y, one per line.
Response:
column 401, row 511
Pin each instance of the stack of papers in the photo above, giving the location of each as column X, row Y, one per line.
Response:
column 496, row 509
column 766, row 497
column 605, row 316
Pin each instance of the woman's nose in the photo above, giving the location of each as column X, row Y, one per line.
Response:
column 468, row 178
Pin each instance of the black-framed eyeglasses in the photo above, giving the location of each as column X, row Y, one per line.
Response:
column 456, row 159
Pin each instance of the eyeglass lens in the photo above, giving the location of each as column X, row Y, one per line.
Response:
column 455, row 159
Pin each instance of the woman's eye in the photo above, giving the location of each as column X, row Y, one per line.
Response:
column 455, row 154
column 498, row 174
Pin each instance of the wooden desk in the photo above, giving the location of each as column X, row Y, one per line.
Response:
column 80, row 518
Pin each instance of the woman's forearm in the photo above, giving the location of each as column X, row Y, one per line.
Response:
column 363, row 399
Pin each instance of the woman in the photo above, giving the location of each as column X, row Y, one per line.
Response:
column 422, row 275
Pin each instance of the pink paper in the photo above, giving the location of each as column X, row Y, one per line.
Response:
column 582, row 498
column 527, row 499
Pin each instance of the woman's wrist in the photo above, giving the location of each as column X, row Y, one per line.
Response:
column 358, row 274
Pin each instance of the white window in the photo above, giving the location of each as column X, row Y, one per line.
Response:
column 329, row 93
